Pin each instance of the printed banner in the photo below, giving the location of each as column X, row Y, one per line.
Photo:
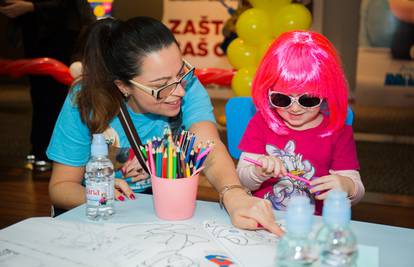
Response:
column 197, row 25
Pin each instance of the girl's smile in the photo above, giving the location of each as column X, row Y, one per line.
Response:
column 299, row 118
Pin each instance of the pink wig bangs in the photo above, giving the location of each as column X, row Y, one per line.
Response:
column 301, row 62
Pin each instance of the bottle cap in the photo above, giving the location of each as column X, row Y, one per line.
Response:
column 99, row 146
column 337, row 208
column 299, row 217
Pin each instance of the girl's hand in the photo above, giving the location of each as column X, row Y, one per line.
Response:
column 330, row 182
column 271, row 167
column 123, row 190
column 249, row 212
column 133, row 169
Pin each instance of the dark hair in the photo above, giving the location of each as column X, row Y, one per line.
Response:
column 114, row 50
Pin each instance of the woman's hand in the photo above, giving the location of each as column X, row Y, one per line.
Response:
column 122, row 189
column 249, row 212
column 16, row 8
column 133, row 169
column 271, row 167
column 329, row 182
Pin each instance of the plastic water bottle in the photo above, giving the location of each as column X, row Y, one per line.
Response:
column 337, row 242
column 296, row 248
column 99, row 180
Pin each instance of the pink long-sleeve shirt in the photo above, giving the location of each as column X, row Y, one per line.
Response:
column 304, row 153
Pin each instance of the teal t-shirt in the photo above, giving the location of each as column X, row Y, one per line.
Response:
column 71, row 140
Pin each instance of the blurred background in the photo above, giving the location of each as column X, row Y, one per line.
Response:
column 374, row 40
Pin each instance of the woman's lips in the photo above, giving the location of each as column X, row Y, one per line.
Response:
column 174, row 104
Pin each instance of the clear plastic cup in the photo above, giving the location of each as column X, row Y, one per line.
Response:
column 174, row 199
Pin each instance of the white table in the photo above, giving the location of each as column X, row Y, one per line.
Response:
column 396, row 244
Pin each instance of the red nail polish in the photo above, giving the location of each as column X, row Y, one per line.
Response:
column 121, row 198
column 259, row 225
column 132, row 196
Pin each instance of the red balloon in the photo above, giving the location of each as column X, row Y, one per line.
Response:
column 36, row 66
column 60, row 72
column 215, row 76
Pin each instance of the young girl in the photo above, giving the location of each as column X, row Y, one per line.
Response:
column 300, row 93
column 138, row 63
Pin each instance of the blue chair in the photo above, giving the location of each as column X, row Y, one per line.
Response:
column 239, row 111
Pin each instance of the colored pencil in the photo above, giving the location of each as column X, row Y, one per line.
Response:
column 187, row 170
column 157, row 162
column 191, row 167
column 197, row 171
column 189, row 148
column 169, row 164
column 174, row 166
column 164, row 164
column 143, row 152
column 181, row 138
column 151, row 158
column 204, row 153
column 182, row 163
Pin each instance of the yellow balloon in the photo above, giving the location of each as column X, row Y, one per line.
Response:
column 99, row 11
column 241, row 54
column 242, row 81
column 291, row 17
column 269, row 5
column 262, row 49
column 253, row 26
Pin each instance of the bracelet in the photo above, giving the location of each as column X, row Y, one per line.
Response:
column 227, row 188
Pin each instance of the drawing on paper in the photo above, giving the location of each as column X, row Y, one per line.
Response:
column 21, row 254
column 220, row 260
column 139, row 245
column 240, row 237
column 172, row 236
column 9, row 257
column 244, row 243
column 178, row 244
column 80, row 236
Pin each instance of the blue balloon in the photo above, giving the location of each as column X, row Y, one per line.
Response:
column 379, row 23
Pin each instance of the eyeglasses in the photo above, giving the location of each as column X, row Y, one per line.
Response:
column 165, row 91
column 279, row 100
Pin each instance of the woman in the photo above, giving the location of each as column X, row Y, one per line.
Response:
column 138, row 62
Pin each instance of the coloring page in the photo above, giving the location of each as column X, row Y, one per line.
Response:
column 52, row 242
column 174, row 244
column 251, row 248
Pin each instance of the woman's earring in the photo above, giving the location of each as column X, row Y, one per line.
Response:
column 126, row 95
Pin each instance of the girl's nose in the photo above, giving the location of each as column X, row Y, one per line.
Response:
column 295, row 106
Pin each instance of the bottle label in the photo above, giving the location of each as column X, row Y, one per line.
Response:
column 99, row 194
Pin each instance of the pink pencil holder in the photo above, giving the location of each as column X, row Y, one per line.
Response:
column 174, row 199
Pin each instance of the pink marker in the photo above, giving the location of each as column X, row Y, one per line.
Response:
column 258, row 163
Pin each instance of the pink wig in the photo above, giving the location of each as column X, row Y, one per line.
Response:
column 301, row 62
